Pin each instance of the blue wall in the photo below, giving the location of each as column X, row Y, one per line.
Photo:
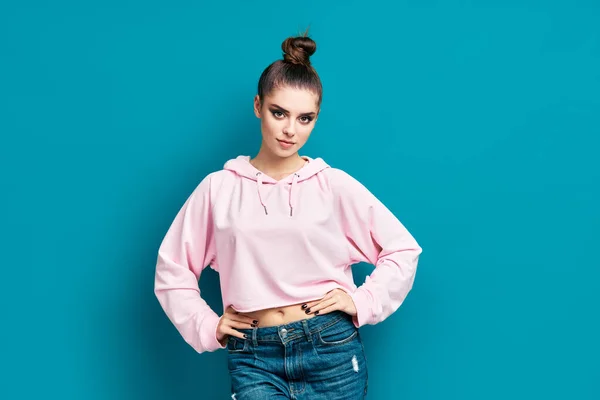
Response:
column 477, row 124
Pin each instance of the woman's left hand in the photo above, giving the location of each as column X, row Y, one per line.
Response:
column 337, row 299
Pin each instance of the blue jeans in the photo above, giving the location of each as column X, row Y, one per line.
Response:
column 321, row 358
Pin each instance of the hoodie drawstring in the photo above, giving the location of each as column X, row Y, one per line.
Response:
column 291, row 199
column 259, row 183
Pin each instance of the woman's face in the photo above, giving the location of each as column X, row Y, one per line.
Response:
column 288, row 116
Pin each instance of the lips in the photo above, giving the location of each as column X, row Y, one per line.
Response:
column 286, row 142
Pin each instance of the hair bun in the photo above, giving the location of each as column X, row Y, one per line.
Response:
column 297, row 50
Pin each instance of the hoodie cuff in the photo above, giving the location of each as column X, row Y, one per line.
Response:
column 209, row 333
column 363, row 309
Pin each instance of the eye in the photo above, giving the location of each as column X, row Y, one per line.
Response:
column 306, row 120
column 277, row 114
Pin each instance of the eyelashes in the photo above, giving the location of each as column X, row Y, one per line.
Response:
column 305, row 119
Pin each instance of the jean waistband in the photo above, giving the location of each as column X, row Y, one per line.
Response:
column 301, row 328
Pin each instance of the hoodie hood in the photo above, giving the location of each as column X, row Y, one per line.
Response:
column 242, row 167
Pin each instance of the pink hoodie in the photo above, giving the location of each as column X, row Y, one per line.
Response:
column 276, row 243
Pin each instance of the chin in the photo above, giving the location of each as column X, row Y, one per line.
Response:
column 279, row 152
column 285, row 153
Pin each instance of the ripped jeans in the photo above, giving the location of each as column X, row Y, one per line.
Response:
column 321, row 358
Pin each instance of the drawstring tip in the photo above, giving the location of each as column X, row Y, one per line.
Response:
column 265, row 207
column 291, row 209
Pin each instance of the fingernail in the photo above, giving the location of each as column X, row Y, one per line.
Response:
column 307, row 311
column 255, row 321
column 253, row 325
column 316, row 312
column 303, row 306
column 245, row 336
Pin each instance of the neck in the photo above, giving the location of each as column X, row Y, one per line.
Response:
column 273, row 165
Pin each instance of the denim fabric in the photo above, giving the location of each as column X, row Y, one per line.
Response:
column 321, row 358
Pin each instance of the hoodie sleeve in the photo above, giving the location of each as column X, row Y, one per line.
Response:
column 375, row 235
column 187, row 248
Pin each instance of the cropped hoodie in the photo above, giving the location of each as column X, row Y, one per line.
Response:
column 277, row 243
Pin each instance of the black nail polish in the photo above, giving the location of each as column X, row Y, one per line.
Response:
column 253, row 325
column 303, row 306
column 245, row 336
column 307, row 311
column 255, row 322
column 316, row 313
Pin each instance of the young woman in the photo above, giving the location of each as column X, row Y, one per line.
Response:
column 282, row 230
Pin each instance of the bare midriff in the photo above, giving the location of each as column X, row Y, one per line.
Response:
column 279, row 315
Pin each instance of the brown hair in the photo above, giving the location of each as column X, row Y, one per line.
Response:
column 294, row 70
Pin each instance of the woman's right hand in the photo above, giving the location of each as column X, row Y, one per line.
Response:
column 232, row 319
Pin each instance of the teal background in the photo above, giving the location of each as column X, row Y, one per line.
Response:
column 477, row 123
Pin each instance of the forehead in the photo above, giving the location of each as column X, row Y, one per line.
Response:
column 293, row 99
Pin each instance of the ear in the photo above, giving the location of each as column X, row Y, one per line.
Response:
column 257, row 106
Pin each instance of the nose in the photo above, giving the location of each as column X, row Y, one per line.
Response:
column 290, row 129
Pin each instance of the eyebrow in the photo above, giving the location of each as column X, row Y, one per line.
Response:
column 286, row 111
